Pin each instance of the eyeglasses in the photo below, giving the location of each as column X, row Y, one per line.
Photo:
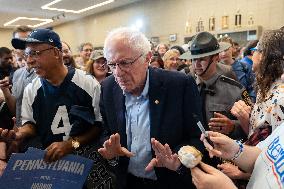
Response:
column 123, row 65
column 35, row 54
column 87, row 50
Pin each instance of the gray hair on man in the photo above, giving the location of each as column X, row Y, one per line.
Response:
column 137, row 40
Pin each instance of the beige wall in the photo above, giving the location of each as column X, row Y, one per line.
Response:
column 5, row 38
column 164, row 17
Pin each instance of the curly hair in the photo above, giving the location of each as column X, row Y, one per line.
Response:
column 271, row 65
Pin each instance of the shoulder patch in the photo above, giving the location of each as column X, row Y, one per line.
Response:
column 246, row 98
column 230, row 81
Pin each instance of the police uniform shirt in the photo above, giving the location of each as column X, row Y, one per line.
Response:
column 47, row 107
column 221, row 93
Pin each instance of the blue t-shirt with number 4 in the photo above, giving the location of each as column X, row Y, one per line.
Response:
column 54, row 110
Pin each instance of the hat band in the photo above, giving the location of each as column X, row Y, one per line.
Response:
column 204, row 50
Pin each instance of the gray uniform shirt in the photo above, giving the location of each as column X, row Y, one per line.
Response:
column 21, row 78
column 221, row 94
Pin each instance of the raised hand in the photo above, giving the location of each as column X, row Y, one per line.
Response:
column 112, row 148
column 242, row 112
column 12, row 138
column 164, row 157
column 224, row 147
column 207, row 177
column 4, row 84
column 221, row 123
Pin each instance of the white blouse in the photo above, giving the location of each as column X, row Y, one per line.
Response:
column 271, row 111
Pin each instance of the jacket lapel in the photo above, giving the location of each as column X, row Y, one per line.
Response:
column 157, row 93
column 118, row 99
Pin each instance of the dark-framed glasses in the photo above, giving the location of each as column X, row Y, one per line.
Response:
column 123, row 65
column 35, row 54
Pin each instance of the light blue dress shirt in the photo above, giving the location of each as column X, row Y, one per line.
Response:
column 138, row 132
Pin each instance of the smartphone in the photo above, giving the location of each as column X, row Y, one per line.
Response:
column 202, row 129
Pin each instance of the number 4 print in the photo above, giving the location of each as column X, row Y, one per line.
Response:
column 61, row 114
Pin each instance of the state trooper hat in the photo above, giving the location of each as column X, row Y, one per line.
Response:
column 38, row 36
column 204, row 44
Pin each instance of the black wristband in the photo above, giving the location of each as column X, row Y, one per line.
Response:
column 182, row 170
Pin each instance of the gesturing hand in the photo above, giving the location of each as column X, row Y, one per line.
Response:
column 164, row 157
column 112, row 148
column 221, row 123
column 4, row 84
column 207, row 177
column 12, row 138
column 242, row 112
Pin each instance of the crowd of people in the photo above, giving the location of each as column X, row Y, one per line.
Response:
column 131, row 106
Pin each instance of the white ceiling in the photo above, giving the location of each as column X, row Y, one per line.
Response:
column 11, row 9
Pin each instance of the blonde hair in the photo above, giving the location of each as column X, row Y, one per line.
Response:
column 170, row 53
column 89, row 67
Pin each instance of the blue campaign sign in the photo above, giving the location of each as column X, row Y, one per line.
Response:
column 29, row 171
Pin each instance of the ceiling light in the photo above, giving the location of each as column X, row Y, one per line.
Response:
column 47, row 6
column 43, row 21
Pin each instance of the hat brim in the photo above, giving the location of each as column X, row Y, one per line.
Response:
column 18, row 43
column 189, row 56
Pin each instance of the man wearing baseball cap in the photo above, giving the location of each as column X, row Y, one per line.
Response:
column 55, row 103
column 217, row 91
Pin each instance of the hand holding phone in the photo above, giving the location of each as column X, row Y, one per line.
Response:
column 202, row 129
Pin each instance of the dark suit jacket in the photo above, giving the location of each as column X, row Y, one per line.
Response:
column 173, row 98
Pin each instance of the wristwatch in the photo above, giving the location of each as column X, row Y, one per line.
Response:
column 182, row 170
column 75, row 143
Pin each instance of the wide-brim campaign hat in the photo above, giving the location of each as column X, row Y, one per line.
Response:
column 204, row 44
column 38, row 36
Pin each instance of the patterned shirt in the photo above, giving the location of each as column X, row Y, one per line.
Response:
column 271, row 111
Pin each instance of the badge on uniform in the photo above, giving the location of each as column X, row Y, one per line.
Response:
column 246, row 98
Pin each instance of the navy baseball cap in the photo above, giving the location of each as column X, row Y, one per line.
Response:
column 38, row 36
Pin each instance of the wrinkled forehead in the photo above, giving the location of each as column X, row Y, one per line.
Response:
column 119, row 48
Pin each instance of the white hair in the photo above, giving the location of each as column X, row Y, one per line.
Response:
column 130, row 37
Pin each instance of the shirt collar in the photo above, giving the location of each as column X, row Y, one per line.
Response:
column 146, row 87
column 212, row 79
